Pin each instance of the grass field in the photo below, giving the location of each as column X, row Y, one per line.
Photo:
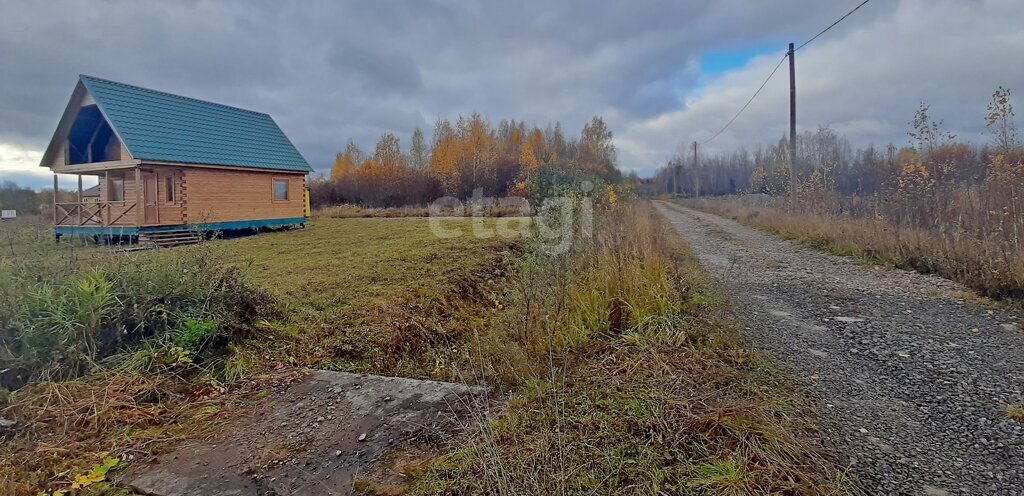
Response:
column 346, row 294
column 373, row 295
column 616, row 365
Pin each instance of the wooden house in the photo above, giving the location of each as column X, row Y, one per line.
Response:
column 168, row 163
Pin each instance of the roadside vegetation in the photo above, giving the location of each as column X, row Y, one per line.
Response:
column 628, row 375
column 937, row 206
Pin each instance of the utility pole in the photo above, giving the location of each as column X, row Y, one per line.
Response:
column 696, row 172
column 792, row 128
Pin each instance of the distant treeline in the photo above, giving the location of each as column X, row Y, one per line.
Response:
column 28, row 201
column 466, row 156
column 825, row 158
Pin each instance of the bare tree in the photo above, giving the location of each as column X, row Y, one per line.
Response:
column 999, row 120
column 419, row 155
column 928, row 133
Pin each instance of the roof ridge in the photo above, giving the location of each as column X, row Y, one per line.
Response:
column 183, row 97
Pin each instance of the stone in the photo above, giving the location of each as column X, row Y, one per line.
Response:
column 849, row 320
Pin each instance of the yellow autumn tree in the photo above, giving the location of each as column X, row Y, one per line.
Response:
column 444, row 163
column 510, row 137
column 478, row 152
column 527, row 160
column 346, row 162
column 527, row 167
column 914, row 178
column 535, row 142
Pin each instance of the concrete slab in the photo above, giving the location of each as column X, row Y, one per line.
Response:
column 316, row 437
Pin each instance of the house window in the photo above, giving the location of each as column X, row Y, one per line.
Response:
column 280, row 189
column 116, row 192
column 169, row 188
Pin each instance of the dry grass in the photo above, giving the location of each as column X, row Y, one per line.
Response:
column 639, row 384
column 988, row 264
column 65, row 428
column 1016, row 411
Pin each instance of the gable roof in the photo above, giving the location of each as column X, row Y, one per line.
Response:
column 159, row 126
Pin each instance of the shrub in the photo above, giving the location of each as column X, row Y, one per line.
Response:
column 60, row 325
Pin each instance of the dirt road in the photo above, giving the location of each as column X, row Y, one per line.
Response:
column 912, row 381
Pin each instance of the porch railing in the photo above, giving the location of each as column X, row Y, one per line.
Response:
column 92, row 213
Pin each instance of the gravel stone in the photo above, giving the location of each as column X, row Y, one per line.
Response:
column 925, row 373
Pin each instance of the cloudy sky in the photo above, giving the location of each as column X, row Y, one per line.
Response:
column 661, row 73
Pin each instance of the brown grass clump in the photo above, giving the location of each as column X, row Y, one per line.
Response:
column 1016, row 411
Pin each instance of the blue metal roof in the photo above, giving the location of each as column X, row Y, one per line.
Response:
column 159, row 126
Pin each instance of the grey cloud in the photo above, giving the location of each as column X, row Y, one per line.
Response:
column 380, row 72
column 329, row 71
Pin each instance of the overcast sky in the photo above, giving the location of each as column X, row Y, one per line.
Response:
column 660, row 73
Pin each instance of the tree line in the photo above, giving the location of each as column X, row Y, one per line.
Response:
column 466, row 156
column 28, row 201
column 825, row 159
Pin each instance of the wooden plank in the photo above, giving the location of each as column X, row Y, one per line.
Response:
column 96, row 167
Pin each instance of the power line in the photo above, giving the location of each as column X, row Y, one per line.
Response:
column 833, row 24
column 752, row 97
column 720, row 131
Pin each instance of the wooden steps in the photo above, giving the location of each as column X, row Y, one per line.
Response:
column 167, row 239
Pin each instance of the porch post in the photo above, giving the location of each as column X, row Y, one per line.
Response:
column 55, row 199
column 79, row 209
column 105, row 200
column 139, row 219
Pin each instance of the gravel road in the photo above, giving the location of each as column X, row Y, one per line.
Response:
column 912, row 381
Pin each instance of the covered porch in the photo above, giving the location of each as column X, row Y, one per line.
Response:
column 129, row 196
